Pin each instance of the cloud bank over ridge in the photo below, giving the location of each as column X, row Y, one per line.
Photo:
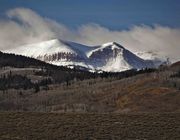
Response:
column 24, row 26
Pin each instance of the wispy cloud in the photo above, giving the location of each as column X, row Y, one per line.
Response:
column 24, row 26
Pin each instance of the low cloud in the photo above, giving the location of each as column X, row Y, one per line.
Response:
column 163, row 40
column 24, row 26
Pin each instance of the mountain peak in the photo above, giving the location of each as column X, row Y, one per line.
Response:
column 113, row 45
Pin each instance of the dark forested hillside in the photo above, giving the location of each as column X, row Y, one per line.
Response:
column 58, row 74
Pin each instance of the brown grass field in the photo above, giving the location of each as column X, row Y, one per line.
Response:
column 72, row 126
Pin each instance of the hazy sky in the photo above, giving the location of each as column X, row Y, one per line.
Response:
column 138, row 25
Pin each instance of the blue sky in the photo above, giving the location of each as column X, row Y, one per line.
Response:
column 113, row 14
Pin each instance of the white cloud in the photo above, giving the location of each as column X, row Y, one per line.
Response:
column 24, row 26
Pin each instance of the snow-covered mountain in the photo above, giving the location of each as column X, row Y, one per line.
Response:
column 107, row 57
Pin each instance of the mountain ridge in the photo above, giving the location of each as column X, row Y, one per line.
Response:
column 110, row 57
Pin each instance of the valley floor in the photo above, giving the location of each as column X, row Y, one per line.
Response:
column 56, row 126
